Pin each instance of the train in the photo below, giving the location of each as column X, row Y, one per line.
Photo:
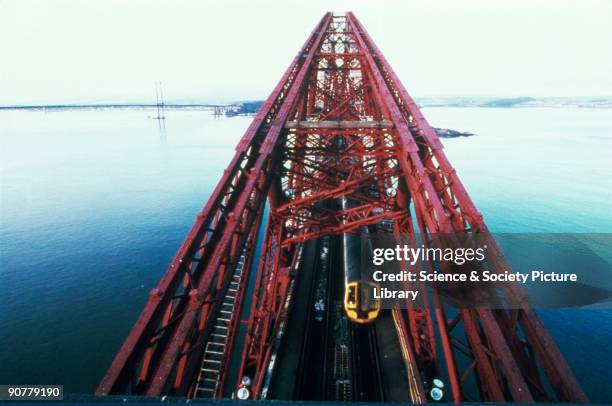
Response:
column 360, row 304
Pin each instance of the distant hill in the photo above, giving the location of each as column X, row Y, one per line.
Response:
column 516, row 102
column 249, row 107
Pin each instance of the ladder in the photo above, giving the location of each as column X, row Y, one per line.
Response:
column 215, row 349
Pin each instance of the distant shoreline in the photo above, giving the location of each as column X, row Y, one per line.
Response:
column 108, row 106
column 242, row 109
column 246, row 107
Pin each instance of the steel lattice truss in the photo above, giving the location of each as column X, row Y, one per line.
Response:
column 339, row 123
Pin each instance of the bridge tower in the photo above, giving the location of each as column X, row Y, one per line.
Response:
column 338, row 123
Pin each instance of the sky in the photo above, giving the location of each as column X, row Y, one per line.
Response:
column 96, row 51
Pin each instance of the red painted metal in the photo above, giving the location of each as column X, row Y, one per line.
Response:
column 339, row 123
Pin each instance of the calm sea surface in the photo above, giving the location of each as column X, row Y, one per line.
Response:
column 95, row 203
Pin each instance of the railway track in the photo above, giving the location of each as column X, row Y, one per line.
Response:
column 366, row 364
column 339, row 360
column 312, row 374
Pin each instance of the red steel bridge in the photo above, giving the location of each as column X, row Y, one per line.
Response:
column 225, row 299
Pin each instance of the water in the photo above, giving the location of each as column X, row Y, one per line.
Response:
column 94, row 205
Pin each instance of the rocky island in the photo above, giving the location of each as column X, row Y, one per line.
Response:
column 447, row 133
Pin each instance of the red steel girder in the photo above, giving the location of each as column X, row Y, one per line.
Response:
column 339, row 123
column 168, row 326
column 551, row 360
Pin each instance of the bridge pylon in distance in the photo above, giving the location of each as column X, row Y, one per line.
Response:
column 338, row 123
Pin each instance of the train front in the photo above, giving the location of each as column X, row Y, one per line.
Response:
column 360, row 304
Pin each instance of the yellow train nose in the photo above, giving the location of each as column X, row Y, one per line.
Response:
column 359, row 302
